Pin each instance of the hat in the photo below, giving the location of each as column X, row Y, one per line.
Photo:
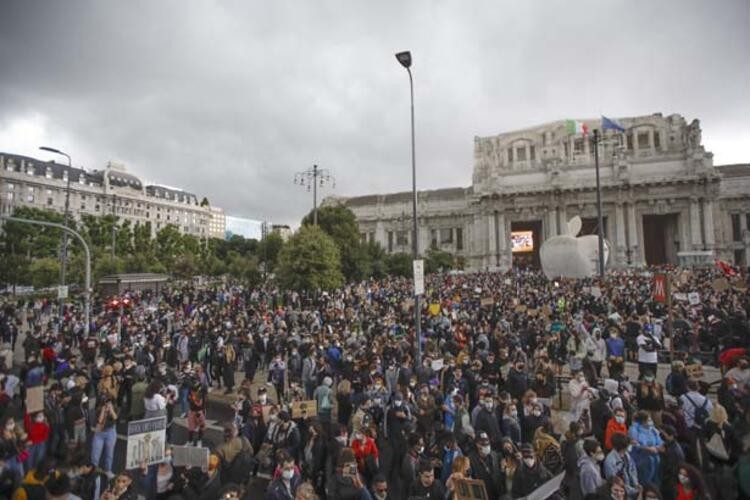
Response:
column 527, row 449
column 140, row 371
column 669, row 430
column 483, row 438
column 284, row 416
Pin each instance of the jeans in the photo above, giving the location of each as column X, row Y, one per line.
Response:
column 184, row 406
column 104, row 441
column 36, row 454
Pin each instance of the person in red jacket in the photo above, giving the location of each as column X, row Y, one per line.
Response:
column 38, row 430
column 365, row 450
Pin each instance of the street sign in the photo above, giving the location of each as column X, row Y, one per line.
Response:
column 62, row 292
column 418, row 277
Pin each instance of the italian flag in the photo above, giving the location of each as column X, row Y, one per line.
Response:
column 576, row 127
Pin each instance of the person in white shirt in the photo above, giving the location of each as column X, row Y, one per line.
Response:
column 648, row 351
column 692, row 403
column 740, row 373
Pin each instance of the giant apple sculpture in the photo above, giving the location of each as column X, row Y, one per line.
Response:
column 568, row 256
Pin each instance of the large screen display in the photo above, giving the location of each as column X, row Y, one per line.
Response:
column 522, row 241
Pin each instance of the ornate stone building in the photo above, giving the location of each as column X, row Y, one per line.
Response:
column 663, row 199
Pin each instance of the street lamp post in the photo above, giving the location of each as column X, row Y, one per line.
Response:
column 404, row 58
column 310, row 178
column 87, row 252
column 64, row 251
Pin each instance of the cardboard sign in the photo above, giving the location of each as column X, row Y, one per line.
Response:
column 596, row 292
column 546, row 311
column 470, row 489
column 34, row 399
column 532, row 312
column 694, row 371
column 190, row 456
column 147, row 441
column 407, row 304
column 304, row 409
column 720, row 284
column 488, row 301
column 682, row 297
column 694, row 298
column 520, row 308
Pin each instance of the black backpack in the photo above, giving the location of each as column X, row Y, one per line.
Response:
column 701, row 412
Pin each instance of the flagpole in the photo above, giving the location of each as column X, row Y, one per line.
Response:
column 599, row 204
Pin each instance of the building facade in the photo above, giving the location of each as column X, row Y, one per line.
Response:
column 217, row 226
column 662, row 198
column 26, row 181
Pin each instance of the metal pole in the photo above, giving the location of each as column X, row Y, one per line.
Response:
column 315, row 195
column 670, row 318
column 415, row 230
column 87, row 291
column 114, row 223
column 599, row 204
column 64, row 251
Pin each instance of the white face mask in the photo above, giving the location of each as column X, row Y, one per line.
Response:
column 288, row 474
column 529, row 462
column 599, row 457
column 485, row 450
column 420, row 450
column 263, row 398
column 619, row 419
column 683, row 479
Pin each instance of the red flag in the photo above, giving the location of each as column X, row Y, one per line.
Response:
column 726, row 268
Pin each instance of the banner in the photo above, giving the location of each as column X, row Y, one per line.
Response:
column 190, row 456
column 147, row 441
column 304, row 409
column 660, row 288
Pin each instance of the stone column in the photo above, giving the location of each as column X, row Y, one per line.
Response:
column 621, row 244
column 380, row 234
column 491, row 230
column 552, row 222
column 708, row 223
column 633, row 239
column 503, row 242
column 696, row 238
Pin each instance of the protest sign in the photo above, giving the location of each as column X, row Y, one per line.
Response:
column 190, row 456
column 34, row 399
column 470, row 489
column 488, row 301
column 304, row 409
column 682, row 297
column 596, row 292
column 147, row 439
column 720, row 284
column 520, row 308
column 694, row 298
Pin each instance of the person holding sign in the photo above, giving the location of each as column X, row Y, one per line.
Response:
column 105, row 434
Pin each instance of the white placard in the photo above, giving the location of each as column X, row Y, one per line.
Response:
column 596, row 292
column 418, row 277
column 62, row 292
column 147, row 440
column 694, row 298
column 190, row 456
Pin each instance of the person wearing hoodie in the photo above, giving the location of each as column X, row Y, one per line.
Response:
column 530, row 475
column 32, row 485
column 589, row 469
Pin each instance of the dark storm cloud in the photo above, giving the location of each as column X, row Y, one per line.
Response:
column 229, row 99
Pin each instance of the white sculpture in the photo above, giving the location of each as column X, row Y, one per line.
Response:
column 569, row 256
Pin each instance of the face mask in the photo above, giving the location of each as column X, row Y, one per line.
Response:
column 630, row 448
column 342, row 439
column 263, row 398
column 620, row 419
column 485, row 450
column 650, row 423
column 683, row 479
column 420, row 450
column 533, row 401
column 537, row 413
column 529, row 462
column 288, row 474
column 381, row 496
column 599, row 457
column 514, row 413
column 398, row 403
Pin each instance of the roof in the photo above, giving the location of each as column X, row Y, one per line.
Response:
column 734, row 170
column 172, row 194
column 455, row 193
column 57, row 170
column 133, row 278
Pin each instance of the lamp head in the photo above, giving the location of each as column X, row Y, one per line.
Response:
column 404, row 58
column 51, row 150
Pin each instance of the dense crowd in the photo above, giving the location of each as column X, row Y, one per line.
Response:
column 518, row 382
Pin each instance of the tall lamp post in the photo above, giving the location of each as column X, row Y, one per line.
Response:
column 310, row 178
column 404, row 58
column 64, row 251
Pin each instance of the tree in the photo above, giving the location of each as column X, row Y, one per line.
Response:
column 108, row 266
column 310, row 261
column 168, row 245
column 400, row 264
column 44, row 272
column 268, row 250
column 185, row 266
column 244, row 269
column 438, row 260
column 340, row 223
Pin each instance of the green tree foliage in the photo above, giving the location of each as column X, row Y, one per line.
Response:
column 438, row 260
column 340, row 224
column 400, row 264
column 244, row 269
column 108, row 266
column 310, row 261
column 269, row 249
column 44, row 272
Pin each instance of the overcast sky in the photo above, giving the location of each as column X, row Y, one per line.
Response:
column 228, row 99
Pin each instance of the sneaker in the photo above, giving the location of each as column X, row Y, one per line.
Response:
column 184, row 415
column 110, row 475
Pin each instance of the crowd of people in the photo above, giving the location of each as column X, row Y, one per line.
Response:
column 517, row 382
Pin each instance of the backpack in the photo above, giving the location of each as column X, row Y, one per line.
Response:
column 552, row 458
column 701, row 413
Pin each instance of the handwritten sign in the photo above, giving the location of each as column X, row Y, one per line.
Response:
column 190, row 456
column 694, row 371
column 34, row 399
column 147, row 440
column 470, row 489
column 487, row 301
column 304, row 409
column 694, row 298
column 720, row 284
